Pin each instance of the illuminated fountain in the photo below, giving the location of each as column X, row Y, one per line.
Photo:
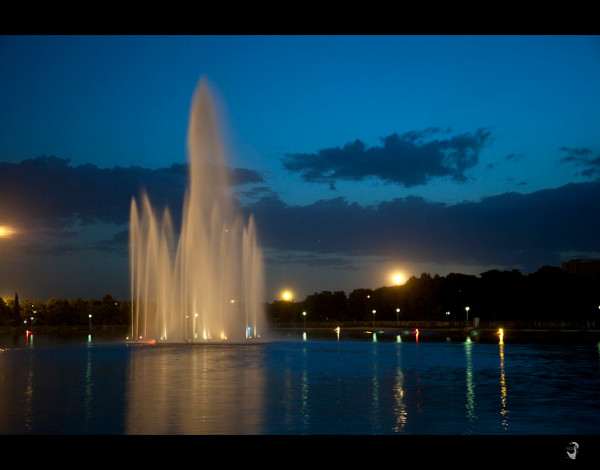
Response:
column 207, row 283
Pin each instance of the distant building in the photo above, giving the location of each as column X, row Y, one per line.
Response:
column 582, row 266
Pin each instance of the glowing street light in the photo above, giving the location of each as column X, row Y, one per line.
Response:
column 467, row 309
column 90, row 319
column 304, row 317
column 397, row 315
column 373, row 312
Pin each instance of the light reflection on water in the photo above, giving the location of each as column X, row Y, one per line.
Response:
column 51, row 385
column 187, row 389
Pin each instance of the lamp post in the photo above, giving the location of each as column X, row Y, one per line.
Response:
column 90, row 320
column 397, row 316
column 304, row 318
column 467, row 309
column 374, row 311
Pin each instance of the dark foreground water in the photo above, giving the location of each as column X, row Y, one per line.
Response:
column 360, row 384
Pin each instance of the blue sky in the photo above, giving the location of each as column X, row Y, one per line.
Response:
column 406, row 132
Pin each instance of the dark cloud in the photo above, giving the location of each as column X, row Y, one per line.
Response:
column 512, row 229
column 49, row 193
column 410, row 159
column 584, row 158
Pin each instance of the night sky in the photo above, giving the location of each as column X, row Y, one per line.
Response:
column 358, row 155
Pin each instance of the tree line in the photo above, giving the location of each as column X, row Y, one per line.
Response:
column 64, row 312
column 549, row 294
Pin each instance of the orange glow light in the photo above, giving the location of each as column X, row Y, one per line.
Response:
column 398, row 278
column 6, row 231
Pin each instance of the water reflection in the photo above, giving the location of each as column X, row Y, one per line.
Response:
column 299, row 387
column 399, row 408
column 304, row 391
column 195, row 389
column 470, row 386
column 28, row 395
column 375, row 406
column 88, row 387
column 503, row 389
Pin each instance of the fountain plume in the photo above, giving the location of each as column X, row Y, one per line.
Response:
column 207, row 282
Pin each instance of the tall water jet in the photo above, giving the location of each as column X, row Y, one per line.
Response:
column 206, row 283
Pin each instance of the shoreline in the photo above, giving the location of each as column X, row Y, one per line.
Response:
column 440, row 334
column 427, row 333
column 326, row 326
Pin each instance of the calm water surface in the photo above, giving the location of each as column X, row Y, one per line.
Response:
column 368, row 384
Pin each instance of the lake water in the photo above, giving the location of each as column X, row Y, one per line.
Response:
column 318, row 384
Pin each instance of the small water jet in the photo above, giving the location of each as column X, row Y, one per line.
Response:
column 206, row 283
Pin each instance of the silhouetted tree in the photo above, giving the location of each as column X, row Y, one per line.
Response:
column 17, row 309
column 324, row 306
column 360, row 304
column 5, row 313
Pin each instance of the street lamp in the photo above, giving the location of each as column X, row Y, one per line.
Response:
column 467, row 309
column 304, row 318
column 90, row 319
column 374, row 311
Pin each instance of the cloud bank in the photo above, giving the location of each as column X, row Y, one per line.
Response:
column 61, row 205
column 48, row 192
column 512, row 229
